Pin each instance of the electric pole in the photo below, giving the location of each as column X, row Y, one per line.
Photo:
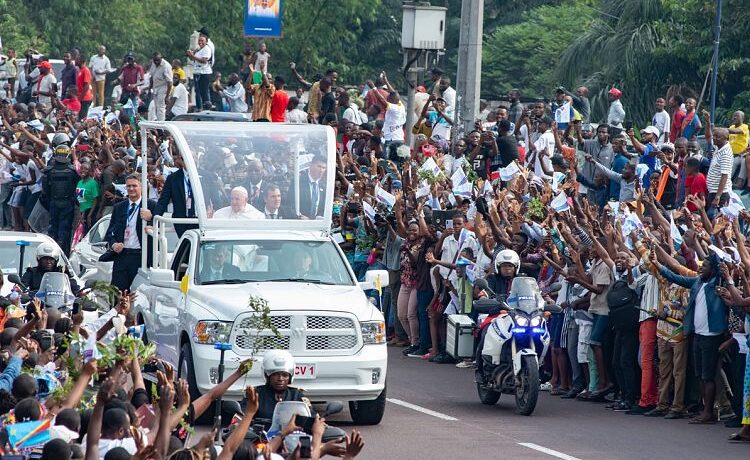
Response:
column 469, row 72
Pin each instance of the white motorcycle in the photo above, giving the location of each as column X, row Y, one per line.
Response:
column 515, row 342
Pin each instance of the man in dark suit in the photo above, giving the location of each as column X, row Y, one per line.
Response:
column 273, row 208
column 216, row 267
column 255, row 185
column 124, row 234
column 179, row 191
column 312, row 189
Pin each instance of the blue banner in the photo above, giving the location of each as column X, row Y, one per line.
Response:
column 263, row 18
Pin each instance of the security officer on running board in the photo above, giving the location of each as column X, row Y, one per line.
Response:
column 124, row 235
column 59, row 196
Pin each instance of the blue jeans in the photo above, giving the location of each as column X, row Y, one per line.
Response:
column 423, row 302
column 61, row 225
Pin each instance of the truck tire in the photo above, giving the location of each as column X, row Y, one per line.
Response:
column 185, row 370
column 368, row 412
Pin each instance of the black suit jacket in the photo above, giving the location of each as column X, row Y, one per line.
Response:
column 229, row 271
column 174, row 192
column 119, row 220
column 305, row 196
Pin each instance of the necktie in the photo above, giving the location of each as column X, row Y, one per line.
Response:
column 315, row 197
column 270, row 216
column 189, row 201
column 131, row 211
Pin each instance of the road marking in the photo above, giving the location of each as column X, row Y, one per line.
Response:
column 421, row 409
column 551, row 452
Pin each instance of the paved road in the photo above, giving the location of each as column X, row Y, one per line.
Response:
column 571, row 429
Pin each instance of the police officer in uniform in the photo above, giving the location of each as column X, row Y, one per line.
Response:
column 278, row 368
column 47, row 260
column 59, row 196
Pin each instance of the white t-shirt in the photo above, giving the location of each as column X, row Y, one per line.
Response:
column 393, row 124
column 295, row 116
column 100, row 64
column 203, row 68
column 31, row 166
column 354, row 115
column 700, row 320
column 46, row 85
column 180, row 106
column 545, row 141
column 261, row 61
column 663, row 122
column 117, row 93
column 450, row 98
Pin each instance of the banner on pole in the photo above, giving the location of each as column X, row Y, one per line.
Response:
column 263, row 18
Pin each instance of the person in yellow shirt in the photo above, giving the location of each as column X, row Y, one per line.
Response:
column 738, row 140
column 178, row 70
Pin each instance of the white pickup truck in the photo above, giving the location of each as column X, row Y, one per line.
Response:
column 201, row 295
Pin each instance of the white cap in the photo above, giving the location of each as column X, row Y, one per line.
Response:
column 651, row 130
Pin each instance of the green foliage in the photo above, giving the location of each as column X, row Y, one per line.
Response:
column 523, row 55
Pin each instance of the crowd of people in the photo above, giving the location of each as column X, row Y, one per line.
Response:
column 596, row 212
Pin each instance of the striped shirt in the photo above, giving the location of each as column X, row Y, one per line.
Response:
column 721, row 163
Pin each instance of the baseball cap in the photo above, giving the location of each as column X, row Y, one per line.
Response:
column 667, row 146
column 651, row 130
column 615, row 92
column 45, row 65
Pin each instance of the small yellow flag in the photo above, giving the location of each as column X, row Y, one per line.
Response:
column 184, row 284
column 378, row 285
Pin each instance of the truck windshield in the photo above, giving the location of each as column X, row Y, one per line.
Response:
column 232, row 262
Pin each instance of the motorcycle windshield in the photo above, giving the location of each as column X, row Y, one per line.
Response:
column 54, row 290
column 525, row 295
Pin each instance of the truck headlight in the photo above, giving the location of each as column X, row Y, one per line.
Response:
column 210, row 332
column 373, row 332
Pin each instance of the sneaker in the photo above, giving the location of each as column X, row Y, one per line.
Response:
column 465, row 364
column 656, row 413
column 622, row 406
column 410, row 350
column 419, row 353
column 613, row 404
column 545, row 387
column 443, row 358
column 640, row 410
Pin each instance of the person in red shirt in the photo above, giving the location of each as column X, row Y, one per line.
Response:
column 372, row 100
column 71, row 101
column 695, row 182
column 675, row 103
column 279, row 101
column 84, row 82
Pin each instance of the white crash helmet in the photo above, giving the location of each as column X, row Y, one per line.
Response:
column 48, row 250
column 507, row 256
column 278, row 361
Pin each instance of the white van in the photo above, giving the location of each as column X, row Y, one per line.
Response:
column 320, row 311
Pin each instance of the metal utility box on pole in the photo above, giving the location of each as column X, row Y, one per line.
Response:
column 469, row 72
column 422, row 29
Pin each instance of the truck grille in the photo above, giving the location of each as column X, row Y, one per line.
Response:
column 301, row 334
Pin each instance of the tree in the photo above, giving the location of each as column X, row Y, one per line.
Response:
column 523, row 55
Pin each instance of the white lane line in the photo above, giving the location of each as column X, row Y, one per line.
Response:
column 547, row 451
column 421, row 409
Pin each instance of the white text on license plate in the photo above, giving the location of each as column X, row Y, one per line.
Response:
column 304, row 371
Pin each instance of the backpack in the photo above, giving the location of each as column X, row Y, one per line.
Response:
column 623, row 307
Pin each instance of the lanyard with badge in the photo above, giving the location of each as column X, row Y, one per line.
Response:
column 188, row 193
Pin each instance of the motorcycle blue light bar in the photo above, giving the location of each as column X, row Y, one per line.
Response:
column 538, row 330
column 518, row 330
column 222, row 346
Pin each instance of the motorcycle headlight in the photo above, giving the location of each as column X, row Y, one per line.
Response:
column 522, row 320
column 210, row 332
column 536, row 321
column 373, row 332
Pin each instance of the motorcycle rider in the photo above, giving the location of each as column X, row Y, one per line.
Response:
column 507, row 265
column 48, row 260
column 59, row 194
column 278, row 368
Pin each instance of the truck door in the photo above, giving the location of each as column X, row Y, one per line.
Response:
column 169, row 302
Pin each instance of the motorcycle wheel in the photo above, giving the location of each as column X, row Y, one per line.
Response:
column 487, row 396
column 527, row 392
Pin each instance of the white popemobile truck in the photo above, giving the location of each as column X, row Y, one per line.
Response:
column 319, row 310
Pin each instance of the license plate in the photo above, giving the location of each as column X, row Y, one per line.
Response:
column 304, row 371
